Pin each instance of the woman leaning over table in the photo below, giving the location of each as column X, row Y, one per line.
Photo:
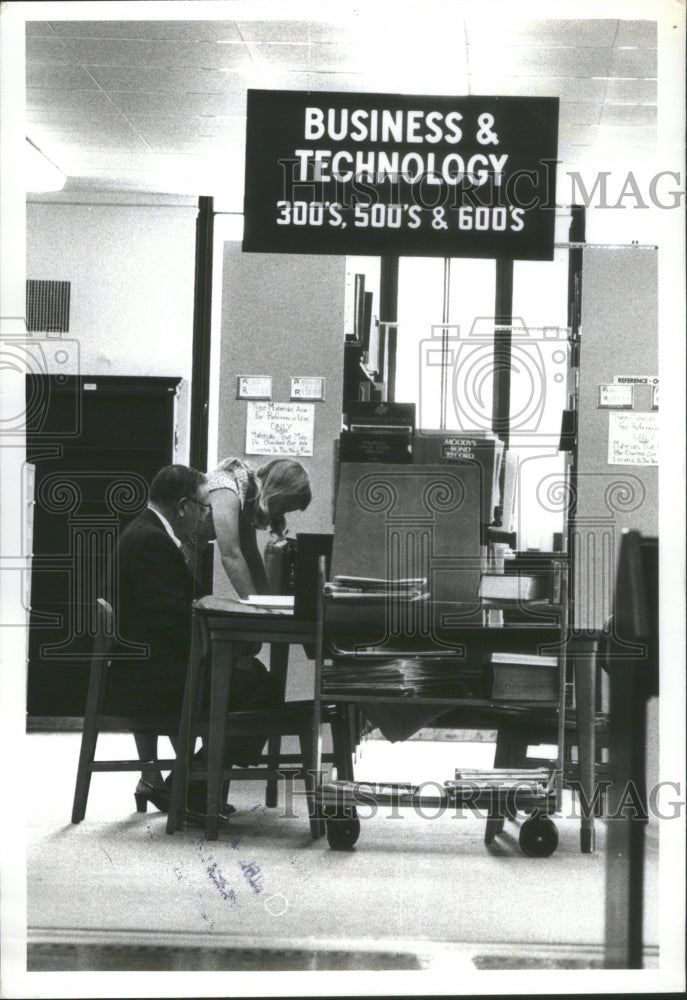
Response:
column 244, row 500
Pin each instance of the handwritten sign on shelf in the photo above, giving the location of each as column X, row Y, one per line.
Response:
column 633, row 438
column 280, row 428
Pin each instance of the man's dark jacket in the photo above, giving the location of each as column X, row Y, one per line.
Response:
column 155, row 590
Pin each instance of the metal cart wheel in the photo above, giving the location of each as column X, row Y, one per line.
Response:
column 343, row 832
column 538, row 837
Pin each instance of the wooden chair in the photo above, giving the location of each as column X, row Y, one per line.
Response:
column 96, row 721
column 289, row 719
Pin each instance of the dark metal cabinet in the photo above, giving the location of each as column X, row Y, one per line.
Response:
column 95, row 442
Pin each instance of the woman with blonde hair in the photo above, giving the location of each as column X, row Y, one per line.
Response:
column 243, row 500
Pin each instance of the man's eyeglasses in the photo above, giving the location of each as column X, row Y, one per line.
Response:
column 208, row 506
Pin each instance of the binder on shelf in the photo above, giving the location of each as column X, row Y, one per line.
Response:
column 547, row 567
column 519, row 588
column 522, row 677
column 376, row 445
column 462, row 449
column 380, row 417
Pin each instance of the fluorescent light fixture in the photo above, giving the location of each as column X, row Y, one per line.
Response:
column 41, row 173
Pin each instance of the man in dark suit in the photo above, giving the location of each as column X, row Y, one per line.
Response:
column 155, row 589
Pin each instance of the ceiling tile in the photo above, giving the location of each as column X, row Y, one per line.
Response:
column 278, row 78
column 172, row 54
column 86, row 100
column 76, row 117
column 47, row 49
column 189, row 30
column 566, row 88
column 282, row 56
column 169, row 80
column 578, row 113
column 61, row 146
column 275, row 31
column 39, row 28
column 621, row 137
column 639, row 91
column 187, row 127
column 628, row 114
column 60, row 77
column 225, row 147
column 341, row 30
column 639, row 63
column 178, row 104
column 86, row 159
column 539, row 61
column 642, row 33
column 580, row 135
column 347, row 82
column 554, row 31
column 332, row 57
column 92, row 131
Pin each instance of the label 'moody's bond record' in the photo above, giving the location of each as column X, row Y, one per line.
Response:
column 400, row 174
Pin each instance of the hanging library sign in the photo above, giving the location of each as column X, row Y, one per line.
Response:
column 376, row 174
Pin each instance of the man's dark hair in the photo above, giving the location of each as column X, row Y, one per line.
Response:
column 173, row 482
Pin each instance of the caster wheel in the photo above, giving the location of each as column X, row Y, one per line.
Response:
column 343, row 833
column 538, row 837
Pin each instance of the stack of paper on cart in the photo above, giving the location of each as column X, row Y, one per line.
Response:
column 406, row 676
column 368, row 588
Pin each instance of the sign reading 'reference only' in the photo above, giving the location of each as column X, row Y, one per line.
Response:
column 280, row 428
column 374, row 174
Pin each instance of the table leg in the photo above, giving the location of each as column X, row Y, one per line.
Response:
column 279, row 662
column 584, row 658
column 220, row 679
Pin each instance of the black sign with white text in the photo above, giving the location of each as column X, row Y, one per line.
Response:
column 376, row 174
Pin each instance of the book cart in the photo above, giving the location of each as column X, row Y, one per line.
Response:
column 498, row 794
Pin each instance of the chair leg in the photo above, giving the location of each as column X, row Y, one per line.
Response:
column 89, row 739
